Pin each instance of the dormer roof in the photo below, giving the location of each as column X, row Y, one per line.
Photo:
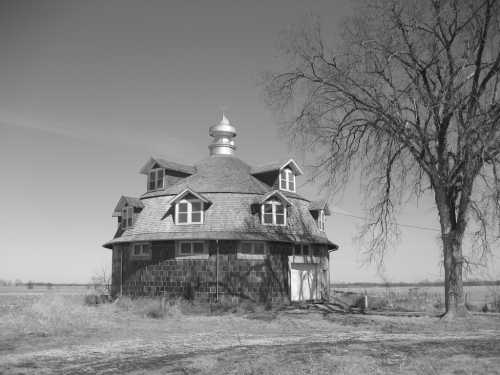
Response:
column 320, row 205
column 277, row 166
column 126, row 201
column 168, row 165
column 278, row 194
column 185, row 193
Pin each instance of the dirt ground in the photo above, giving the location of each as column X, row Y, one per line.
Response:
column 290, row 341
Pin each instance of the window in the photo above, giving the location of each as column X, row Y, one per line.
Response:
column 127, row 217
column 141, row 250
column 273, row 213
column 192, row 249
column 321, row 220
column 189, row 212
column 304, row 250
column 306, row 253
column 251, row 250
column 155, row 179
column 287, row 180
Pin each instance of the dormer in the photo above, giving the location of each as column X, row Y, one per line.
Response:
column 319, row 210
column 162, row 173
column 126, row 211
column 189, row 207
column 279, row 175
column 273, row 208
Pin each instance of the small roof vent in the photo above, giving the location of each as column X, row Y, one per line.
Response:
column 223, row 134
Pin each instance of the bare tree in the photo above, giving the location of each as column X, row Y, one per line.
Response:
column 409, row 96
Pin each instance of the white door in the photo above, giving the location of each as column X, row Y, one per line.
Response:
column 304, row 282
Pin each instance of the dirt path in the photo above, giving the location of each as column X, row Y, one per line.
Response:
column 204, row 352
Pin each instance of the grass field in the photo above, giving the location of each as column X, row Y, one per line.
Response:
column 54, row 332
column 429, row 299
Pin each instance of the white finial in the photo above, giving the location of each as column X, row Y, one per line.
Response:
column 224, row 120
column 223, row 133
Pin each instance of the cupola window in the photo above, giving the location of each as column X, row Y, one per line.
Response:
column 189, row 212
column 155, row 179
column 321, row 220
column 287, row 180
column 273, row 213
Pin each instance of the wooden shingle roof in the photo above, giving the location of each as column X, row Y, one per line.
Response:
column 229, row 217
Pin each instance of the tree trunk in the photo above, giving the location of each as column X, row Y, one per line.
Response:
column 452, row 236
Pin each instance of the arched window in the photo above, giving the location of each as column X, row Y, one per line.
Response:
column 273, row 213
column 189, row 212
column 287, row 180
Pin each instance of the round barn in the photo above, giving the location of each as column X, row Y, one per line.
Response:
column 221, row 229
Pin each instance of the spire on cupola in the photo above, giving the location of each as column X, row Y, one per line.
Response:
column 223, row 134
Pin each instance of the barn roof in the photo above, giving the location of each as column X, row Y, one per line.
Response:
column 222, row 174
column 126, row 201
column 320, row 205
column 229, row 217
column 276, row 166
column 168, row 165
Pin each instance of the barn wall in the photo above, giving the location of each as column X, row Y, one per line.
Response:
column 261, row 281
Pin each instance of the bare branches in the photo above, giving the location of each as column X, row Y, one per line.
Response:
column 410, row 98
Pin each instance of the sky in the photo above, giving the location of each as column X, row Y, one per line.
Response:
column 90, row 89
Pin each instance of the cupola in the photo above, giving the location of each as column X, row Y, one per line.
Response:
column 223, row 134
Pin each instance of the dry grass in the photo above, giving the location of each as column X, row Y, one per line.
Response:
column 56, row 334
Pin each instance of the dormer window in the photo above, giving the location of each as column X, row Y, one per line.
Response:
column 156, row 179
column 273, row 213
column 127, row 219
column 189, row 212
column 287, row 180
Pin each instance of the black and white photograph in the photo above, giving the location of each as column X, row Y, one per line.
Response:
column 250, row 187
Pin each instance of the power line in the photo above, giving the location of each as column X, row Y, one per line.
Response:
column 398, row 224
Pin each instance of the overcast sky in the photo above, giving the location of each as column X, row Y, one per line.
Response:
column 90, row 89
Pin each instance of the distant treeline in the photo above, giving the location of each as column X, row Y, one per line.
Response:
column 32, row 284
column 409, row 285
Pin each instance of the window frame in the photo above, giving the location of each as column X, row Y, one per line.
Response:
column 143, row 255
column 190, row 211
column 191, row 254
column 251, row 255
column 155, row 180
column 128, row 215
column 273, row 204
column 287, row 176
column 300, row 257
column 321, row 220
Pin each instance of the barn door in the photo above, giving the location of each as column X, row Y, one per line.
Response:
column 304, row 282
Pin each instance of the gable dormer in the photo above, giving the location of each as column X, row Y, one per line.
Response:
column 319, row 210
column 273, row 208
column 189, row 207
column 279, row 175
column 126, row 211
column 162, row 173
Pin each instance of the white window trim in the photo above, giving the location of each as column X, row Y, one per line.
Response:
column 191, row 255
column 190, row 211
column 274, row 204
column 143, row 255
column 252, row 255
column 289, row 177
column 127, row 212
column 156, row 171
